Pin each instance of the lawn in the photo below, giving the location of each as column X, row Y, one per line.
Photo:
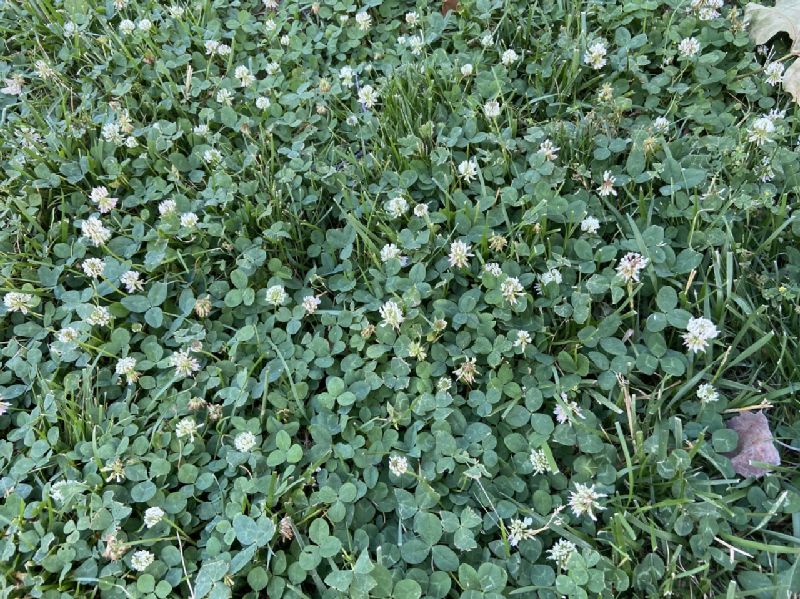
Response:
column 338, row 299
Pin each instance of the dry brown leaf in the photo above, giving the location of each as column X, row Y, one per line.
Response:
column 755, row 444
column 448, row 5
column 791, row 80
column 766, row 22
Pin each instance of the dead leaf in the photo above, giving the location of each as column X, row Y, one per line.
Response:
column 448, row 5
column 791, row 80
column 766, row 22
column 755, row 444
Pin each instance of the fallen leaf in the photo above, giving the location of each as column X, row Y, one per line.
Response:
column 755, row 444
column 766, row 22
column 449, row 5
column 791, row 80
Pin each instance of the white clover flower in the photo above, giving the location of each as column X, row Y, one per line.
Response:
column 706, row 10
column 391, row 315
column 706, row 393
column 468, row 170
column 695, row 343
column 563, row 414
column 595, row 55
column 245, row 77
column 607, row 186
column 467, row 371
column 444, row 384
column 760, row 130
column 509, row 57
column 398, row 465
column 93, row 267
column 175, row 11
column 125, row 366
column 166, row 207
column 774, row 73
column 152, row 516
column 346, row 74
column 702, row 327
column 551, row 276
column 141, row 560
column 487, row 40
column 688, row 47
column 459, row 254
column 262, row 102
column 661, row 125
column 189, row 220
column 367, row 96
column 212, row 156
column 412, row 17
column 363, row 20
column 389, row 252
column 605, row 93
column 93, row 230
column 698, row 333
column 590, row 225
column 311, row 303
column 100, row 316
column 548, row 149
column 67, row 335
column 491, row 109
column 630, row 266
column 352, row 120
column 493, row 268
column 776, row 114
column 101, row 197
column 44, row 70
column 421, row 210
column 184, row 364
column 186, row 427
column 132, row 281
column 466, row 70
column 111, row 133
column 520, row 530
column 223, row 49
column 511, row 290
column 397, row 207
column 4, row 407
column 583, row 500
column 416, row 43
column 417, row 351
column 765, row 171
column 126, row 26
column 272, row 68
column 561, row 552
column 202, row 130
column 18, row 302
column 271, row 4
column 224, row 97
column 285, row 40
column 539, row 461
column 523, row 339
column 276, row 295
column 245, row 442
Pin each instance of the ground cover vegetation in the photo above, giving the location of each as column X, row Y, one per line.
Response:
column 342, row 299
